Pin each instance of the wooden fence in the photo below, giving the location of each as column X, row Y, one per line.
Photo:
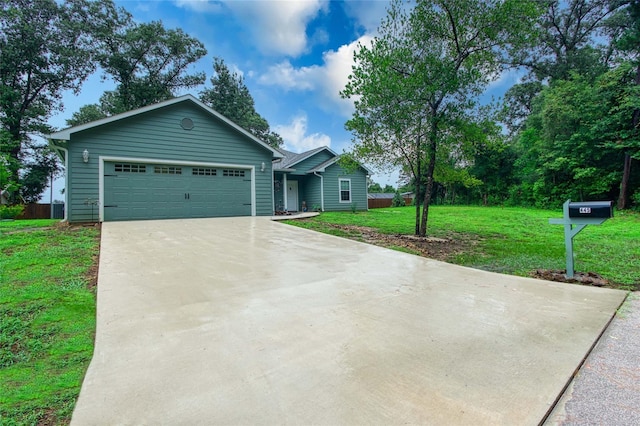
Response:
column 42, row 211
column 380, row 203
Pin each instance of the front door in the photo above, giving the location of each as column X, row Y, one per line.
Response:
column 292, row 195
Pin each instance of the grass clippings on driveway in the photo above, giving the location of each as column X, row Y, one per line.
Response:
column 516, row 241
column 47, row 318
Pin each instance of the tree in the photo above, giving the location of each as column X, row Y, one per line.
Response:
column 563, row 147
column 147, row 61
column 563, row 42
column 230, row 97
column 626, row 36
column 421, row 77
column 374, row 187
column 619, row 126
column 46, row 49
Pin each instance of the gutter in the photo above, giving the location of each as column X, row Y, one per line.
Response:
column 321, row 190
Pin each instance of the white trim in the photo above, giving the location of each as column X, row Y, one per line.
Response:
column 102, row 159
column 340, row 180
column 66, row 181
column 284, row 191
column 66, row 133
column 321, row 190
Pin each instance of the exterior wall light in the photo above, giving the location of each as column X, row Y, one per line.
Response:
column 85, row 156
column 262, row 167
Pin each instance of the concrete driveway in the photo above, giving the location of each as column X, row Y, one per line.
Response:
column 248, row 321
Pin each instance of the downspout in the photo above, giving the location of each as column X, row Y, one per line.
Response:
column 321, row 190
column 366, row 191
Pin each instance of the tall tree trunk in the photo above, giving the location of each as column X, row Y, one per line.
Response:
column 417, row 189
column 624, row 184
column 418, row 176
column 430, row 169
column 626, row 171
column 427, row 195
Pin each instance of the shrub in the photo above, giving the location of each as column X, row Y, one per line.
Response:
column 10, row 212
column 635, row 199
column 397, row 201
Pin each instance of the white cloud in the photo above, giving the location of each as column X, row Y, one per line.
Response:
column 327, row 79
column 276, row 27
column 295, row 137
column 284, row 75
column 200, row 5
column 368, row 14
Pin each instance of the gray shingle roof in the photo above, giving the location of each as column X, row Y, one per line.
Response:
column 291, row 158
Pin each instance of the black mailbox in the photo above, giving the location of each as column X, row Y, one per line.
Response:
column 591, row 209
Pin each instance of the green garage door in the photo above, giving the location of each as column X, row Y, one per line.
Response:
column 134, row 191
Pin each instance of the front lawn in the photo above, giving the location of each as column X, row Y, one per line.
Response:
column 508, row 240
column 47, row 318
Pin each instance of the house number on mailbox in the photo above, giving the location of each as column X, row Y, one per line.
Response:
column 585, row 210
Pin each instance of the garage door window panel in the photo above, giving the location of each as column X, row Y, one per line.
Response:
column 232, row 173
column 167, row 170
column 204, row 172
column 130, row 168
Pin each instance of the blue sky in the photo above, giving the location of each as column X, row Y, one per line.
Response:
column 295, row 57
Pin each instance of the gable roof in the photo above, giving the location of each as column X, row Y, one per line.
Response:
column 290, row 159
column 65, row 134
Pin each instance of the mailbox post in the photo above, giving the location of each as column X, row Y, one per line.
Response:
column 576, row 216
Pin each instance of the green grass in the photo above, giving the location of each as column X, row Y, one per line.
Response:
column 511, row 240
column 47, row 319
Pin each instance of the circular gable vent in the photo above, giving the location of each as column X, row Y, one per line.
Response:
column 187, row 123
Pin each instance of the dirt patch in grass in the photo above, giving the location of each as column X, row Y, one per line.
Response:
column 585, row 278
column 443, row 249
column 446, row 249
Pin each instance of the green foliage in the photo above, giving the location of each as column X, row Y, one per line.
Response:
column 635, row 198
column 148, row 62
column 417, row 83
column 87, row 114
column 47, row 49
column 230, row 97
column 354, row 207
column 47, row 319
column 11, row 212
column 43, row 55
column 397, row 200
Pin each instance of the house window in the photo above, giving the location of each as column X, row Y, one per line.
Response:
column 204, row 172
column 130, row 168
column 167, row 170
column 345, row 190
column 230, row 172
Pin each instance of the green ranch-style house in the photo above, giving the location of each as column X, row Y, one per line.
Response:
column 181, row 159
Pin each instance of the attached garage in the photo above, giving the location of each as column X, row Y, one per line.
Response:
column 175, row 159
column 135, row 191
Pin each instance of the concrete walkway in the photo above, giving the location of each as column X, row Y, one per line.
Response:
column 606, row 390
column 249, row 321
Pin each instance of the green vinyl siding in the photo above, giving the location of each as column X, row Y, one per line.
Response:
column 309, row 163
column 158, row 135
column 358, row 179
column 312, row 191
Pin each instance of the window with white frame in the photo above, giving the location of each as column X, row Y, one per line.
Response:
column 345, row 190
